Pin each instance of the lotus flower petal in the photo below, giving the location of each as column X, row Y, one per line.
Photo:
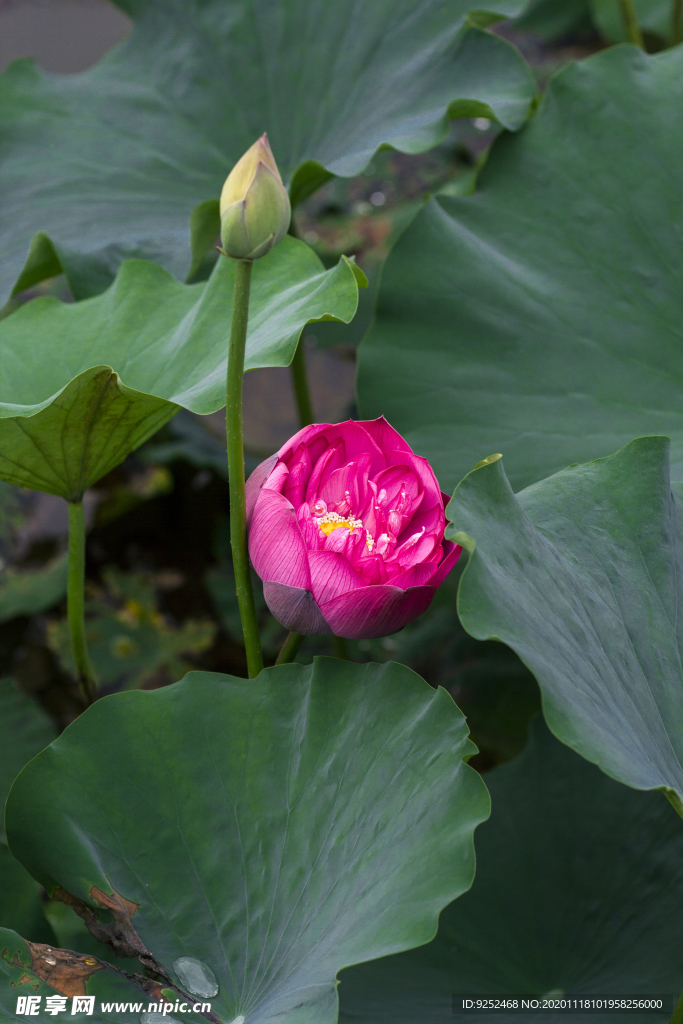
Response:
column 422, row 470
column 331, row 575
column 375, row 611
column 299, row 475
column 256, row 482
column 385, row 437
column 276, row 546
column 295, row 609
column 451, row 554
column 416, row 576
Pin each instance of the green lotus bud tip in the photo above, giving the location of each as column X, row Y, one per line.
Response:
column 255, row 210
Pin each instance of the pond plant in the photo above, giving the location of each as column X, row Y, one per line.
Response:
column 297, row 843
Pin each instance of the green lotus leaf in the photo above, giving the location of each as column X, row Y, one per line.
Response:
column 578, row 886
column 83, row 384
column 272, row 830
column 541, row 316
column 112, row 162
column 24, row 731
column 581, row 575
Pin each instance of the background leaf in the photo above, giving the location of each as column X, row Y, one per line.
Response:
column 581, row 576
column 139, row 140
column 578, row 890
column 84, row 384
column 542, row 316
column 552, row 19
column 32, row 591
column 287, row 826
column 654, row 16
column 24, row 731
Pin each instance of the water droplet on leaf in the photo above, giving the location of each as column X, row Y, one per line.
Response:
column 195, row 976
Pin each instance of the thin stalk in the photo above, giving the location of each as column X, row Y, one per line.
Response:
column 677, row 23
column 628, row 13
column 677, row 1016
column 340, row 648
column 301, row 388
column 290, row 649
column 235, row 447
column 76, row 601
column 302, row 391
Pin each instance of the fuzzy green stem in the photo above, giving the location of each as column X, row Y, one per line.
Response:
column 290, row 649
column 340, row 648
column 677, row 23
column 76, row 601
column 235, row 447
column 628, row 13
column 302, row 391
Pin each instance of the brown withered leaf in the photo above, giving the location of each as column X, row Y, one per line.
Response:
column 65, row 971
column 117, row 903
column 120, row 935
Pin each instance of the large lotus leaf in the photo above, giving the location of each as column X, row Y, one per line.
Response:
column 273, row 830
column 111, row 162
column 578, row 891
column 582, row 576
column 541, row 317
column 83, row 384
column 24, row 731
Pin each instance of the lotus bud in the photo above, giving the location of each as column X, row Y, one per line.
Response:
column 346, row 529
column 254, row 207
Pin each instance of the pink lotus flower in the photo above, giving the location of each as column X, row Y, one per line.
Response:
column 346, row 530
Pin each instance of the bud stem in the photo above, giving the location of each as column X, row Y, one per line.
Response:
column 235, row 449
column 301, row 389
column 289, row 649
column 76, row 601
column 628, row 13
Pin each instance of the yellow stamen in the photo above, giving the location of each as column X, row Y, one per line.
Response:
column 332, row 521
column 327, row 528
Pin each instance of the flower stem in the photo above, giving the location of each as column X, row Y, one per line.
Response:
column 302, row 391
column 340, row 648
column 76, row 601
column 301, row 388
column 628, row 13
column 235, row 447
column 290, row 649
column 677, row 23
